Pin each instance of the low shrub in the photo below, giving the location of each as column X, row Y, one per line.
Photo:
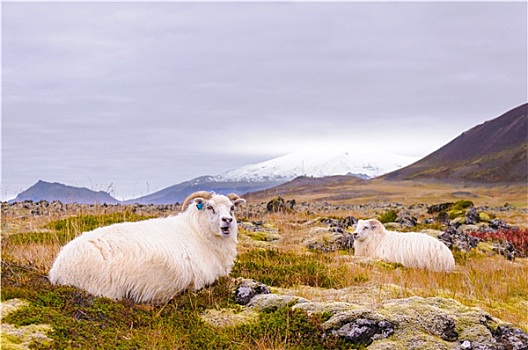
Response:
column 388, row 216
column 517, row 237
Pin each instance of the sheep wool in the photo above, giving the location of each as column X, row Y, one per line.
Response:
column 411, row 249
column 151, row 261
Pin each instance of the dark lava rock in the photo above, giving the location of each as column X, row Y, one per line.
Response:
column 472, row 216
column 406, row 219
column 456, row 239
column 507, row 250
column 498, row 224
column 511, row 338
column 364, row 331
column 247, row 289
column 439, row 207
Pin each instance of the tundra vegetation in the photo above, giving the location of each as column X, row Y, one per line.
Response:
column 272, row 250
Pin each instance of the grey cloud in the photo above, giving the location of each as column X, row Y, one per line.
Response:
column 168, row 91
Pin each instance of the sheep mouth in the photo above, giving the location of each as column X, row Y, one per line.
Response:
column 226, row 230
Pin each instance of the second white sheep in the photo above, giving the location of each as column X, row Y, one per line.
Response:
column 411, row 249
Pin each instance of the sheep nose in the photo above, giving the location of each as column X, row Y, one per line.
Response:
column 227, row 219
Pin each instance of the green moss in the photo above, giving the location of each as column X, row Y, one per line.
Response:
column 454, row 214
column 260, row 236
column 458, row 210
column 286, row 269
column 462, row 205
column 25, row 337
column 484, row 217
column 82, row 321
column 13, row 337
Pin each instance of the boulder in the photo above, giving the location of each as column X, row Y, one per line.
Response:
column 443, row 218
column 437, row 208
column 280, row 205
column 511, row 338
column 454, row 238
column 363, row 331
column 24, row 337
column 484, row 217
column 408, row 323
column 406, row 219
column 246, row 289
column 272, row 302
column 332, row 242
column 472, row 216
column 498, row 224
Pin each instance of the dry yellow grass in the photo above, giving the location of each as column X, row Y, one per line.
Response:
column 489, row 282
column 407, row 192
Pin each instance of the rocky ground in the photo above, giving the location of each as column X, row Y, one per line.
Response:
column 361, row 315
column 408, row 323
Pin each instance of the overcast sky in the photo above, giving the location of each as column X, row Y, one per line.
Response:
column 135, row 97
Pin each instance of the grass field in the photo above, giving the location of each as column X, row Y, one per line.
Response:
column 78, row 320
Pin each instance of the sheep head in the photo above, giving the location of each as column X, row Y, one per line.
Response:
column 367, row 228
column 217, row 210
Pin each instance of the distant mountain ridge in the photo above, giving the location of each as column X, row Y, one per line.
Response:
column 55, row 191
column 493, row 152
column 178, row 193
column 250, row 178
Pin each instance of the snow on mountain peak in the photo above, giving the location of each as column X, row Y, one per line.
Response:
column 318, row 164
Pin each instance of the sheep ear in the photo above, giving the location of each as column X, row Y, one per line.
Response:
column 239, row 202
column 373, row 224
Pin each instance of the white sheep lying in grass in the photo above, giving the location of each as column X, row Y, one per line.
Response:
column 411, row 249
column 151, row 261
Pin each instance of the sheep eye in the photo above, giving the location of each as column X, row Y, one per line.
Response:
column 232, row 207
column 209, row 207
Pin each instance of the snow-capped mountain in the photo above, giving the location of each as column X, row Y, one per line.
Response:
column 256, row 177
column 290, row 166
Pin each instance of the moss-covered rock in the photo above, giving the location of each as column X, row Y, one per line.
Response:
column 459, row 209
column 484, row 217
column 271, row 302
column 409, row 323
column 13, row 337
column 462, row 205
column 229, row 317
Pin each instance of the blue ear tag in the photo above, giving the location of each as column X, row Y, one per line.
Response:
column 199, row 206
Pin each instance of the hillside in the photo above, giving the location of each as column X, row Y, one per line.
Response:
column 48, row 191
column 178, row 193
column 493, row 152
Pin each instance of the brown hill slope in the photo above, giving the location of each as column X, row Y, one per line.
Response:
column 493, row 152
column 350, row 190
